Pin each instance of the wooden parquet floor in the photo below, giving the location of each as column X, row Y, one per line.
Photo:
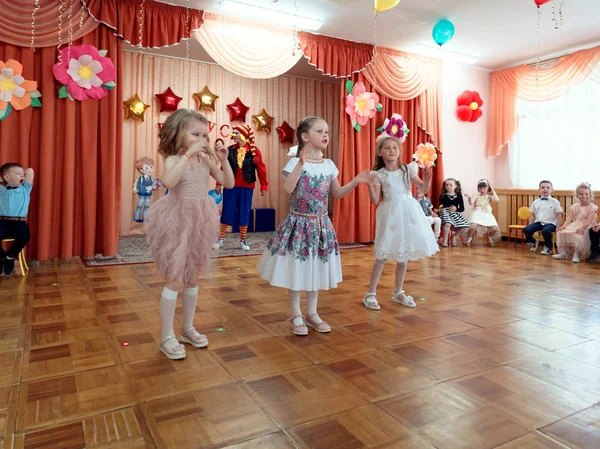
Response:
column 502, row 351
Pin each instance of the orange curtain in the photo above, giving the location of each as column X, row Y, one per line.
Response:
column 401, row 76
column 75, row 150
column 163, row 24
column 335, row 57
column 16, row 21
column 357, row 153
column 529, row 84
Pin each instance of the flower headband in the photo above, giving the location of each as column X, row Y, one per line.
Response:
column 394, row 127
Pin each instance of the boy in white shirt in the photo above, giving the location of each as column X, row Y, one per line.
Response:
column 546, row 216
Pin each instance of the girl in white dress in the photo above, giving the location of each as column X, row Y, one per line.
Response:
column 482, row 219
column 402, row 230
column 303, row 253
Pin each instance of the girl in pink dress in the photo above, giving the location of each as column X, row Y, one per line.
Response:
column 182, row 225
column 573, row 236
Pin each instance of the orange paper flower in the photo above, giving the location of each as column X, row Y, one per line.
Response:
column 425, row 155
column 15, row 91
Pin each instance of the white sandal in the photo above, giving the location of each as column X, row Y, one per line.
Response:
column 370, row 301
column 176, row 352
column 404, row 299
column 197, row 341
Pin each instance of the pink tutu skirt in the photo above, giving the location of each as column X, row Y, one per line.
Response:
column 181, row 235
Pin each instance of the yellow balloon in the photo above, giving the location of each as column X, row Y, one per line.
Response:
column 474, row 105
column 384, row 5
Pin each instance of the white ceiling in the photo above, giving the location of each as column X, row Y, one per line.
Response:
column 501, row 33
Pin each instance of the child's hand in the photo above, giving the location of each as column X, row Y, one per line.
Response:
column 363, row 177
column 427, row 171
column 195, row 148
column 452, row 208
column 596, row 227
column 221, row 151
column 580, row 231
column 374, row 178
column 468, row 196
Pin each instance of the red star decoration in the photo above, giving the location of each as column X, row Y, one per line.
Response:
column 285, row 132
column 168, row 101
column 237, row 110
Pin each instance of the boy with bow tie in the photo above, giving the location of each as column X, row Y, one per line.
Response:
column 14, row 204
column 546, row 215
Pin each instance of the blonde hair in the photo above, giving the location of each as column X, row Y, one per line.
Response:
column 584, row 185
column 379, row 163
column 172, row 130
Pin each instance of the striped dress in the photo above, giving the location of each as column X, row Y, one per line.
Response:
column 456, row 219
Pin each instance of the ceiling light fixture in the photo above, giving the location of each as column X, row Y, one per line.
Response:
column 245, row 9
column 443, row 54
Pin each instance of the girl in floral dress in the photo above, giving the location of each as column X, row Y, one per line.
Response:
column 573, row 236
column 303, row 253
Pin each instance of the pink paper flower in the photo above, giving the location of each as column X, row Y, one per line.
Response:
column 361, row 105
column 85, row 71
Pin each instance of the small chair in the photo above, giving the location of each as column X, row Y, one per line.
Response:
column 22, row 262
column 451, row 237
column 540, row 238
column 524, row 215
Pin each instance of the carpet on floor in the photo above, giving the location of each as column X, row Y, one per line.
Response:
column 133, row 249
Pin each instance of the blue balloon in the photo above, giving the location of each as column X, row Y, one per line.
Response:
column 442, row 32
column 216, row 196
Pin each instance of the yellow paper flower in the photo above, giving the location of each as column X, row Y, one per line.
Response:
column 425, row 155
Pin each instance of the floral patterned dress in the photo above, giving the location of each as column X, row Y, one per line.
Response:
column 303, row 253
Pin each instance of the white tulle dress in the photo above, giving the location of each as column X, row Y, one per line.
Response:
column 402, row 231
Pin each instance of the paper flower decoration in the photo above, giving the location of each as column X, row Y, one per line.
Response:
column 425, row 155
column 469, row 106
column 205, row 99
column 263, row 121
column 285, row 133
column 15, row 91
column 168, row 101
column 237, row 110
column 135, row 109
column 394, row 127
column 360, row 104
column 85, row 72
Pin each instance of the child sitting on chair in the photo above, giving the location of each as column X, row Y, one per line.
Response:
column 430, row 214
column 14, row 204
column 546, row 215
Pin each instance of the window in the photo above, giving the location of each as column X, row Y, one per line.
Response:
column 558, row 140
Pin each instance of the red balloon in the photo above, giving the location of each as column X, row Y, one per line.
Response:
column 168, row 101
column 477, row 113
column 477, row 99
column 237, row 110
column 464, row 113
column 540, row 2
column 285, row 133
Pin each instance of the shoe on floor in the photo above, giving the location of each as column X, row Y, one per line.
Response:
column 561, row 256
column 469, row 240
column 576, row 259
column 531, row 247
column 454, row 243
column 546, row 251
column 9, row 266
column 321, row 326
column 593, row 258
column 404, row 299
column 244, row 245
column 370, row 301
column 218, row 245
column 491, row 241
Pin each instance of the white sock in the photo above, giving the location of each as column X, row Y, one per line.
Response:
column 168, row 302
column 190, row 299
column 295, row 306
column 312, row 298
